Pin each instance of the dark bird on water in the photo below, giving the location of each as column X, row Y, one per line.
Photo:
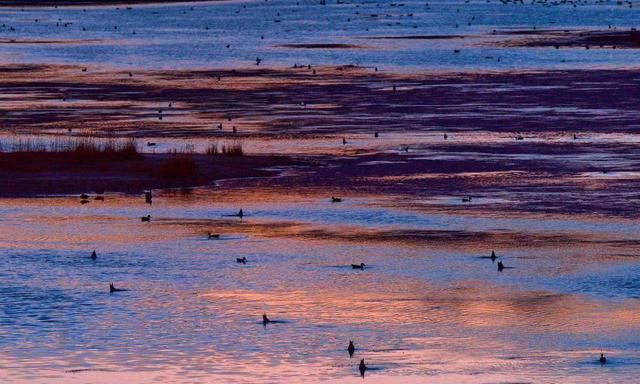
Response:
column 336, row 199
column 265, row 319
column 242, row 260
column 351, row 349
column 493, row 256
column 146, row 219
column 114, row 289
column 213, row 235
column 500, row 266
column 603, row 360
column 344, row 141
column 362, row 367
column 358, row 266
column 94, row 255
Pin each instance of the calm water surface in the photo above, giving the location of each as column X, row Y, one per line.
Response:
column 429, row 307
column 196, row 35
column 421, row 310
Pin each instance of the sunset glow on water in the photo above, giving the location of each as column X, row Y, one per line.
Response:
column 285, row 143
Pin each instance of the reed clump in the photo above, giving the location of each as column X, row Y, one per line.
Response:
column 80, row 148
column 227, row 149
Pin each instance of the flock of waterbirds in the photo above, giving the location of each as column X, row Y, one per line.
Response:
column 362, row 366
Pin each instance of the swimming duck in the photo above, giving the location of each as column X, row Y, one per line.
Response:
column 213, row 235
column 265, row 319
column 466, row 199
column 336, row 199
column 500, row 266
column 114, row 289
column 242, row 260
column 493, row 256
column 603, row 360
column 358, row 266
column 351, row 349
column 146, row 218
column 362, row 367
column 94, row 255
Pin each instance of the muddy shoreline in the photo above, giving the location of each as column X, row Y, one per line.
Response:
column 36, row 174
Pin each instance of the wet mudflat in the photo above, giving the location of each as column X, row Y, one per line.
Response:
column 413, row 138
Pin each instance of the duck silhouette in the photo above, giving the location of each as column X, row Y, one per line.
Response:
column 112, row 288
column 358, row 266
column 603, row 360
column 500, row 266
column 265, row 319
column 336, row 199
column 351, row 349
column 241, row 260
column 94, row 255
column 146, row 219
column 493, row 256
column 213, row 235
column 362, row 367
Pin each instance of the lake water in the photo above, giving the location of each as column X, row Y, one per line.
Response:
column 430, row 306
column 197, row 35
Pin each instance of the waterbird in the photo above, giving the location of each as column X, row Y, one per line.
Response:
column 493, row 256
column 151, row 144
column 466, row 199
column 375, row 134
column 94, row 255
column 344, row 141
column 500, row 266
column 445, row 136
column 114, row 289
column 146, row 218
column 213, row 235
column 240, row 213
column 258, row 61
column 362, row 367
column 265, row 319
column 241, row 260
column 84, row 196
column 603, row 360
column 358, row 266
column 351, row 349
column 336, row 199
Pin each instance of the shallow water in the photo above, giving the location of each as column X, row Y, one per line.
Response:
column 420, row 309
column 429, row 306
column 196, row 35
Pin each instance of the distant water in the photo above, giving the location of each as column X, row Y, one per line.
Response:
column 196, row 35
